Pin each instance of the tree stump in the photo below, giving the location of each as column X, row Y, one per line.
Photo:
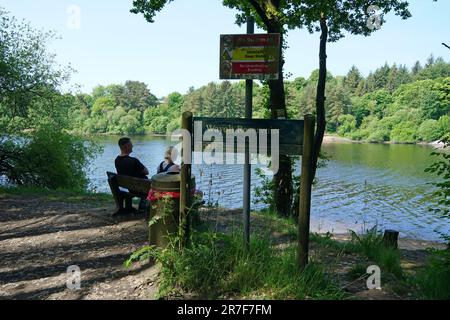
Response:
column 390, row 239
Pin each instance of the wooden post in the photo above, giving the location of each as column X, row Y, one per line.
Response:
column 185, row 181
column 305, row 192
column 390, row 239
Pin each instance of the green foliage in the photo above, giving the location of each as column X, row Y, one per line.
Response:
column 346, row 124
column 433, row 280
column 359, row 108
column 404, row 132
column 218, row 265
column 370, row 244
column 264, row 191
column 27, row 68
column 61, row 195
column 35, row 148
column 142, row 254
column 224, row 100
column 49, row 159
column 358, row 271
column 441, row 168
column 429, row 130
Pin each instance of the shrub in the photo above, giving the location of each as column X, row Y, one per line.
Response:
column 48, row 158
column 347, row 124
column 404, row 132
column 219, row 265
column 370, row 244
column 434, row 279
column 429, row 130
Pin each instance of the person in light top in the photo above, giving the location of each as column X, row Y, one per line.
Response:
column 168, row 166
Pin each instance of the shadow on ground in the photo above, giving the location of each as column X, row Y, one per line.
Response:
column 40, row 239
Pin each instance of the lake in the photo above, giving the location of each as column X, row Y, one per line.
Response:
column 361, row 185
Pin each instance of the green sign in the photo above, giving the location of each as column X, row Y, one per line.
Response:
column 289, row 132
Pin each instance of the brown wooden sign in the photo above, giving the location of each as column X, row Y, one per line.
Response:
column 290, row 132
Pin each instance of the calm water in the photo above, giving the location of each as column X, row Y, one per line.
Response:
column 362, row 185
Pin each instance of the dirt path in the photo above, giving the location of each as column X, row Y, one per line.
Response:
column 40, row 239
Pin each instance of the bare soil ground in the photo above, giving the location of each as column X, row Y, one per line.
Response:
column 41, row 238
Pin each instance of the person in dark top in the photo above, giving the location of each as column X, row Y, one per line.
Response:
column 126, row 165
column 129, row 166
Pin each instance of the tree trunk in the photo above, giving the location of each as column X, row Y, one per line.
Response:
column 320, row 97
column 283, row 178
column 390, row 239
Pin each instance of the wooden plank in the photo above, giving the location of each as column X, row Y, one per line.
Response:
column 305, row 193
column 134, row 185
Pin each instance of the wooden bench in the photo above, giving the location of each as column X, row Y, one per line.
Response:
column 137, row 187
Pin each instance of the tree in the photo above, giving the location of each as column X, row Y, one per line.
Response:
column 273, row 16
column 27, row 69
column 347, row 124
column 35, row 148
column 138, row 96
column 429, row 130
column 338, row 103
column 416, row 68
column 352, row 79
column 332, row 19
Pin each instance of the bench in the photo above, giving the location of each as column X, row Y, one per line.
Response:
column 137, row 187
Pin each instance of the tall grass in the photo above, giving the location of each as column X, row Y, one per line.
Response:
column 433, row 280
column 219, row 266
column 370, row 244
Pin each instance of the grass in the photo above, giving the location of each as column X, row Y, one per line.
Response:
column 64, row 195
column 285, row 226
column 370, row 245
column 433, row 280
column 218, row 266
column 358, row 271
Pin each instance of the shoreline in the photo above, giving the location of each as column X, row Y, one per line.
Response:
column 330, row 138
column 327, row 138
column 342, row 232
column 68, row 199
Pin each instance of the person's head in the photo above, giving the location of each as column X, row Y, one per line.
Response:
column 170, row 154
column 125, row 145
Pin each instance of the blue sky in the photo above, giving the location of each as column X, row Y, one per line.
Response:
column 181, row 49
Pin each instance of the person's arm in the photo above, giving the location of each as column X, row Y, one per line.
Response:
column 141, row 168
column 174, row 168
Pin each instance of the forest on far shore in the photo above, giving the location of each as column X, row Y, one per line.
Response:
column 393, row 103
